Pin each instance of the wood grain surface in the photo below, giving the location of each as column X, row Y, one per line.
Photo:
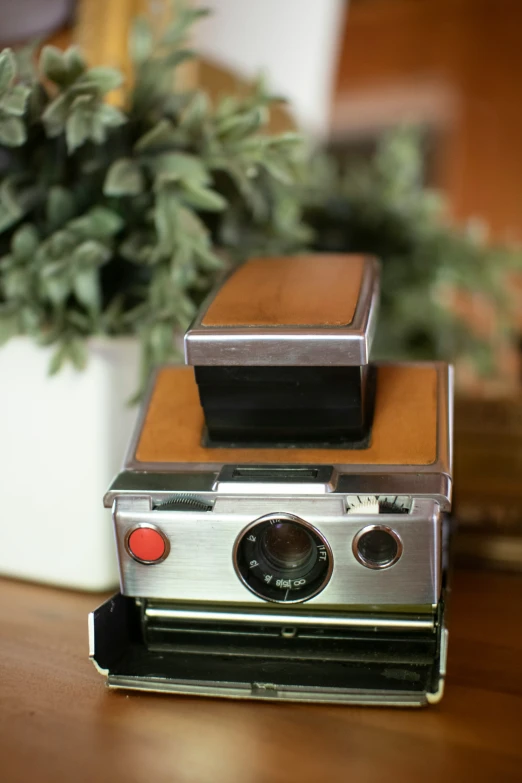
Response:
column 311, row 290
column 59, row 724
column 402, row 434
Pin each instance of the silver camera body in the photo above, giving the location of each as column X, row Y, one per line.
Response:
column 309, row 566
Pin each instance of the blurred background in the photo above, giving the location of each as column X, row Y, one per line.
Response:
column 412, row 121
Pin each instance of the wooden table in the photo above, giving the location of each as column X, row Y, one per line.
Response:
column 59, row 723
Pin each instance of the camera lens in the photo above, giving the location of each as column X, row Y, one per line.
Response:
column 377, row 547
column 282, row 558
column 287, row 545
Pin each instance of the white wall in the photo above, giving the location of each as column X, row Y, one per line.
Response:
column 295, row 42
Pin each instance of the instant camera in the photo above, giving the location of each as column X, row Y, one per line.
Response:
column 280, row 519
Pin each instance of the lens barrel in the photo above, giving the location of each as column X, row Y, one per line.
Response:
column 287, row 545
column 282, row 558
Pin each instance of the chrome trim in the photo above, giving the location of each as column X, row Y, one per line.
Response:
column 443, row 651
column 290, row 346
column 266, row 692
column 415, row 484
column 450, row 402
column 148, row 526
column 90, row 622
column 200, row 566
column 445, row 394
column 252, row 488
column 297, row 521
column 161, row 486
column 434, row 698
column 270, row 348
column 92, row 648
column 327, row 620
column 367, row 563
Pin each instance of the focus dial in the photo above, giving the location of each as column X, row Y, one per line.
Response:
column 282, row 558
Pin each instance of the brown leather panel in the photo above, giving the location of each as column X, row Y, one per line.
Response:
column 313, row 290
column 404, row 430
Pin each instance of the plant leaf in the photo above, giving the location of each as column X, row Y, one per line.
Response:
column 184, row 18
column 90, row 253
column 86, row 287
column 288, row 138
column 278, row 171
column 15, row 100
column 60, row 244
column 77, row 129
column 98, row 223
column 16, row 283
column 175, row 58
column 60, row 206
column 79, row 319
column 105, row 223
column 75, row 63
column 77, row 353
column 54, row 65
column 97, row 129
column 196, row 111
column 25, row 242
column 174, row 166
column 7, row 69
column 9, row 204
column 57, row 359
column 161, row 341
column 237, row 126
column 124, row 178
column 161, row 136
column 208, row 260
column 9, row 326
column 203, row 198
column 192, row 223
column 166, row 216
column 102, row 79
column 12, row 131
column 8, row 195
column 111, row 116
column 30, row 320
column 56, row 288
column 55, row 116
column 141, row 40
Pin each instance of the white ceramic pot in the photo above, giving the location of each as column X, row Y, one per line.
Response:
column 294, row 42
column 62, row 439
column 21, row 20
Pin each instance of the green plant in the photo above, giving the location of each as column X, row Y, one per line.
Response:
column 380, row 206
column 110, row 218
column 114, row 221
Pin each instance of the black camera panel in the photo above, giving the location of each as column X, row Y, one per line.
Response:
column 286, row 405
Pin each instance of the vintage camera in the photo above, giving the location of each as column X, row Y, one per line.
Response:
column 280, row 518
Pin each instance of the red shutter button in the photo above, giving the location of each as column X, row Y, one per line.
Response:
column 147, row 545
